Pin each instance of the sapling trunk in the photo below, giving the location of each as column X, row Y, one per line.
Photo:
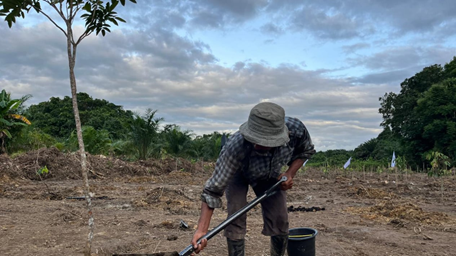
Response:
column 71, row 48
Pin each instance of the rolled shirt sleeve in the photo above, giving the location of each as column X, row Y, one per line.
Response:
column 303, row 146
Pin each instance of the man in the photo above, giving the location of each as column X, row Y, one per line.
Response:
column 254, row 156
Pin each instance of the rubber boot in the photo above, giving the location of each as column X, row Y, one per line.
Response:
column 236, row 247
column 279, row 245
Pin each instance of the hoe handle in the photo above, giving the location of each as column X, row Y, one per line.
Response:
column 188, row 251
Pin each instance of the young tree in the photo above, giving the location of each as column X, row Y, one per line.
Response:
column 177, row 142
column 98, row 15
column 144, row 132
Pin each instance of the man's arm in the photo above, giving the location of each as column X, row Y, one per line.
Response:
column 203, row 227
column 227, row 164
column 304, row 149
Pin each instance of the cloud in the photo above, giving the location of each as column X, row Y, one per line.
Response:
column 194, row 14
column 332, row 19
column 326, row 25
column 408, row 57
column 219, row 13
column 271, row 29
column 182, row 80
column 404, row 17
column 400, row 57
column 388, row 77
column 339, row 134
column 159, row 60
column 348, row 49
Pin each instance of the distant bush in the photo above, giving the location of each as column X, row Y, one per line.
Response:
column 30, row 138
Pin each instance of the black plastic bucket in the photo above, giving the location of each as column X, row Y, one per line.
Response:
column 301, row 241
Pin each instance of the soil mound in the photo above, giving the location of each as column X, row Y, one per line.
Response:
column 389, row 210
column 371, row 193
column 64, row 166
column 7, row 167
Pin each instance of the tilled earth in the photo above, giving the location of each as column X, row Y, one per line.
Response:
column 145, row 207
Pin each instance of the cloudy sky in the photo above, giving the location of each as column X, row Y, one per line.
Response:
column 204, row 63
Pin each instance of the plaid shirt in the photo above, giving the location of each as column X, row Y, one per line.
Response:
column 238, row 155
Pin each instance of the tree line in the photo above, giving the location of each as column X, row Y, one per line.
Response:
column 107, row 129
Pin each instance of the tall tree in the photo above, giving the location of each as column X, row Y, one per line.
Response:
column 405, row 117
column 397, row 109
column 437, row 109
column 98, row 15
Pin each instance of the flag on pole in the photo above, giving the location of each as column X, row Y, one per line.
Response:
column 393, row 160
column 304, row 164
column 347, row 163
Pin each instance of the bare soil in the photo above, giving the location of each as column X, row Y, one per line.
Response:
column 140, row 207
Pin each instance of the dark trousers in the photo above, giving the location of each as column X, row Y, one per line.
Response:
column 274, row 208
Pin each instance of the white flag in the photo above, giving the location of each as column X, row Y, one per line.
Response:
column 304, row 164
column 347, row 163
column 393, row 161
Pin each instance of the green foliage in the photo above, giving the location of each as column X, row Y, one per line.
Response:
column 207, row 146
column 11, row 117
column 42, row 170
column 366, row 149
column 335, row 160
column 98, row 14
column 55, row 117
column 111, row 131
column 15, row 8
column 437, row 109
column 336, row 157
column 96, row 141
column 30, row 138
column 422, row 116
column 176, row 142
column 439, row 163
column 379, row 148
column 401, row 163
column 144, row 134
column 60, row 146
column 124, row 149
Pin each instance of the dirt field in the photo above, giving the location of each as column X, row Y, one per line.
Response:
column 138, row 208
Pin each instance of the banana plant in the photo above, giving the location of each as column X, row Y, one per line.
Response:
column 10, row 117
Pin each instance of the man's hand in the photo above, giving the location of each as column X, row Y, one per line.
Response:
column 203, row 226
column 198, row 247
column 290, row 173
column 288, row 184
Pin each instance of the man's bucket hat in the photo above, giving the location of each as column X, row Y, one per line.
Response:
column 266, row 126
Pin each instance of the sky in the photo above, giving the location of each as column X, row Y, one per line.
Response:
column 203, row 64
